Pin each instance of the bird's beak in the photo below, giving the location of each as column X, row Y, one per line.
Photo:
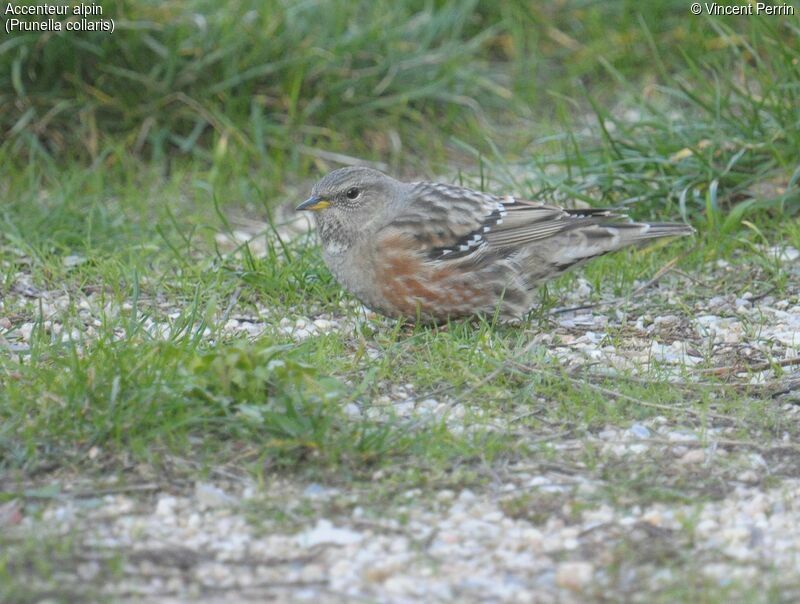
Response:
column 314, row 204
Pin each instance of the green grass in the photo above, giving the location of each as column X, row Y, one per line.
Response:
column 277, row 85
column 138, row 239
column 721, row 151
column 118, row 385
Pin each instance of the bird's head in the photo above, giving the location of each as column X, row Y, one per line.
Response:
column 349, row 202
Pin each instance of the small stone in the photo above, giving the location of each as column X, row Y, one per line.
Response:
column 211, row 496
column 445, row 495
column 325, row 532
column 25, row 331
column 694, row 456
column 680, row 435
column 749, row 477
column 324, row 324
column 314, row 490
column 428, row 405
column 666, row 321
column 352, row 410
column 608, row 434
column 574, row 575
column 318, row 491
column 757, row 460
column 73, row 260
column 466, row 495
column 88, row 571
column 404, row 408
column 717, row 302
column 653, row 517
column 788, row 254
column 639, row 431
column 166, row 505
column 10, row 513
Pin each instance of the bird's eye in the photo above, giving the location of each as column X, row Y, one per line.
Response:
column 352, row 193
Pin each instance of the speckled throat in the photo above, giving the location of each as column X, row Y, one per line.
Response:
column 334, row 236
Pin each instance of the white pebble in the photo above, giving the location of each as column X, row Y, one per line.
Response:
column 574, row 576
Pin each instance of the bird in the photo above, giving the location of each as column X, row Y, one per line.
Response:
column 433, row 252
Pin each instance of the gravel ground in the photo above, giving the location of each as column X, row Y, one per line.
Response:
column 448, row 545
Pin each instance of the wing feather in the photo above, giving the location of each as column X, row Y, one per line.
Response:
column 450, row 222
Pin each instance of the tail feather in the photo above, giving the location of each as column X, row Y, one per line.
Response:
column 656, row 230
column 589, row 240
column 609, row 236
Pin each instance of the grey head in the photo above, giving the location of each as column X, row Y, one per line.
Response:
column 351, row 202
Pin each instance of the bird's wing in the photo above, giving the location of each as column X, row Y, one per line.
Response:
column 449, row 222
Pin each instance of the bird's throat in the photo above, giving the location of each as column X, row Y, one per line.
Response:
column 334, row 236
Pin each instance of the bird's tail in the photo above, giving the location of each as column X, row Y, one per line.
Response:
column 592, row 238
column 633, row 233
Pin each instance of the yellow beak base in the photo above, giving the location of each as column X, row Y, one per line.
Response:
column 313, row 204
